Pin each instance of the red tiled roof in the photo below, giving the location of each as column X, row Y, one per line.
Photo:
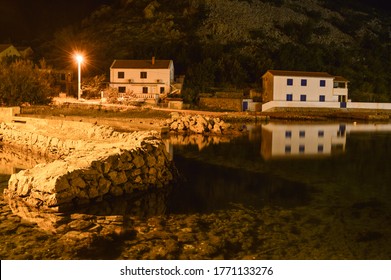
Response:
column 300, row 74
column 141, row 64
column 340, row 79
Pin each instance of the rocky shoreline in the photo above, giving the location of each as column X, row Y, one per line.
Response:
column 92, row 163
column 141, row 227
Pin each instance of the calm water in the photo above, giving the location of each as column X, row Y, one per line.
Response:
column 282, row 191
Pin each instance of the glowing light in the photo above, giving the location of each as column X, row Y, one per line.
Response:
column 79, row 59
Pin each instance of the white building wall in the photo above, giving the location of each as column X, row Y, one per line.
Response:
column 331, row 105
column 298, row 104
column 156, row 78
column 312, row 90
column 367, row 105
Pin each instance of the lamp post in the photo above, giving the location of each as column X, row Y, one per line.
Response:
column 79, row 60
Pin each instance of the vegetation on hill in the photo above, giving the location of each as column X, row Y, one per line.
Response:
column 232, row 43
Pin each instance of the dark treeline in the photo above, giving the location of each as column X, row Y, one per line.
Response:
column 232, row 43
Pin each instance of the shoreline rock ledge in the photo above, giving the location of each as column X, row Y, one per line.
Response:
column 120, row 164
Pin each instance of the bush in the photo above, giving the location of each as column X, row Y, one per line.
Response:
column 22, row 81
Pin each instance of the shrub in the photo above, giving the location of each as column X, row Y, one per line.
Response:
column 21, row 81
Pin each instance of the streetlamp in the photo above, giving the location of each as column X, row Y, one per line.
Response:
column 79, row 60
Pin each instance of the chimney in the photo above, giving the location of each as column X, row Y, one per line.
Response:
column 153, row 60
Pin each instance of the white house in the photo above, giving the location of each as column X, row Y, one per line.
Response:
column 304, row 89
column 8, row 50
column 142, row 78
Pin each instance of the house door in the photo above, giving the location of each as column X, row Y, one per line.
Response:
column 342, row 101
column 245, row 106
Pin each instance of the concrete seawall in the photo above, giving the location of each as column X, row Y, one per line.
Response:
column 92, row 162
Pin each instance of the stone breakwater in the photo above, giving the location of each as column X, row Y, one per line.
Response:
column 196, row 124
column 60, row 138
column 101, row 163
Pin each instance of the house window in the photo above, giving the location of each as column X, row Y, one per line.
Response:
column 289, row 82
column 322, row 83
column 322, row 98
column 301, row 149
column 320, row 148
column 162, row 89
column 303, row 97
column 121, row 75
column 145, row 89
column 288, row 149
column 341, row 131
column 303, row 82
column 302, row 133
column 288, row 134
column 143, row 75
column 289, row 97
column 121, row 89
column 320, row 133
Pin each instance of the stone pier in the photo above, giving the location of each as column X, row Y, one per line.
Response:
column 92, row 162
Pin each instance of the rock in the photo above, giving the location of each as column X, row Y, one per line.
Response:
column 197, row 124
column 116, row 191
column 78, row 183
column 118, row 178
column 138, row 161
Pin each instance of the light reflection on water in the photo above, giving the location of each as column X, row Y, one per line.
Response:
column 312, row 190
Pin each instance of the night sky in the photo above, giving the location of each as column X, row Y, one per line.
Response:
column 27, row 20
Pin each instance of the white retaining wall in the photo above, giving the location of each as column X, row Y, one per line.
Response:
column 331, row 105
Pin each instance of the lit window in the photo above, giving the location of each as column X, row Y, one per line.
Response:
column 303, row 82
column 289, row 82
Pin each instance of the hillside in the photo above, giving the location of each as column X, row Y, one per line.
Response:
column 231, row 43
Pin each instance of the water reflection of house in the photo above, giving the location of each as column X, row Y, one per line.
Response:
column 302, row 140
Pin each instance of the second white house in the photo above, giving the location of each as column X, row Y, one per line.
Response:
column 142, row 78
column 303, row 89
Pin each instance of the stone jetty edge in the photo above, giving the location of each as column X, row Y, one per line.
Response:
column 96, row 163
